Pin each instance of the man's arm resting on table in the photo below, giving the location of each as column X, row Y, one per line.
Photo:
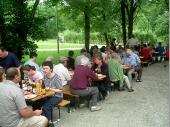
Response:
column 57, row 90
column 27, row 112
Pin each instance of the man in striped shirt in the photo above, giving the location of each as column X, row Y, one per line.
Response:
column 53, row 81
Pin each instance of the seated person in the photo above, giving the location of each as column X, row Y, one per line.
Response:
column 13, row 109
column 134, row 63
column 61, row 70
column 116, row 73
column 33, row 75
column 80, row 84
column 53, row 82
column 145, row 52
column 101, row 68
column 2, row 74
column 71, row 60
column 166, row 57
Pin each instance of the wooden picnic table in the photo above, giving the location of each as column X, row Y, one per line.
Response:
column 125, row 67
column 41, row 96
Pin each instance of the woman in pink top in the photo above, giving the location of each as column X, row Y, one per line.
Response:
column 33, row 75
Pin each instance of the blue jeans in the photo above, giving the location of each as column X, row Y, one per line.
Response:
column 48, row 104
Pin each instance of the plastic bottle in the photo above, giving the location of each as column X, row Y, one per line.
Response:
column 43, row 88
column 38, row 88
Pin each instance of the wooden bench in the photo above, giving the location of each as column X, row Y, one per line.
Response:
column 63, row 103
column 145, row 63
column 73, row 98
column 67, row 91
column 135, row 73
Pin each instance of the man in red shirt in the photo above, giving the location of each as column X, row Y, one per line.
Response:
column 166, row 56
column 145, row 52
column 80, row 83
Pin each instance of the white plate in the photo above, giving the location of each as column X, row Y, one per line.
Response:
column 99, row 75
column 30, row 96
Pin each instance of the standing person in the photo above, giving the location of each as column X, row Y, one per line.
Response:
column 80, row 83
column 161, row 51
column 83, row 53
column 13, row 109
column 32, row 61
column 113, row 44
column 53, row 82
column 8, row 59
column 71, row 60
column 61, row 70
column 131, row 42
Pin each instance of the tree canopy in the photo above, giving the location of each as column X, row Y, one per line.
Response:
column 24, row 21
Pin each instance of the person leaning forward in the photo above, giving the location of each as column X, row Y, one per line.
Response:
column 14, row 111
column 80, row 85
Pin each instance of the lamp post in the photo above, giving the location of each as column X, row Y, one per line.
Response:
column 57, row 28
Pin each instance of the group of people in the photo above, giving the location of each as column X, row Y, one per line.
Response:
column 116, row 64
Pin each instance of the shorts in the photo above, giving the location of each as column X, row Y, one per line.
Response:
column 34, row 121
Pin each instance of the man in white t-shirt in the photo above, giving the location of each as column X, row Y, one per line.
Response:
column 132, row 42
column 61, row 70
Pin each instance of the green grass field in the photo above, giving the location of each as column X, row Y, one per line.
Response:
column 54, row 45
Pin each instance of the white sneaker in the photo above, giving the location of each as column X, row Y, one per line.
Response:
column 82, row 105
column 95, row 108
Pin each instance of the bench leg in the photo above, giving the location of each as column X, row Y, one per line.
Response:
column 68, row 106
column 59, row 114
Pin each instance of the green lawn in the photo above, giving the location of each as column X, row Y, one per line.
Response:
column 54, row 45
column 49, row 41
column 42, row 55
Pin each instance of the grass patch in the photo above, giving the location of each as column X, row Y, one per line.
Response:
column 42, row 55
column 49, row 41
column 54, row 46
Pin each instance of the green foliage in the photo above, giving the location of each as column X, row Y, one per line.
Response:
column 16, row 21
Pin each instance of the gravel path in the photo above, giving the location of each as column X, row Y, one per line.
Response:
column 147, row 106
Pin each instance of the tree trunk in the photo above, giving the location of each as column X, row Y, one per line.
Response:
column 22, row 29
column 123, row 22
column 86, row 28
column 106, row 38
column 130, row 19
column 33, row 12
column 105, row 33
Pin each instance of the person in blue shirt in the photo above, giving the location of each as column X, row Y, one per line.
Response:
column 161, row 51
column 32, row 61
column 134, row 63
column 8, row 59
